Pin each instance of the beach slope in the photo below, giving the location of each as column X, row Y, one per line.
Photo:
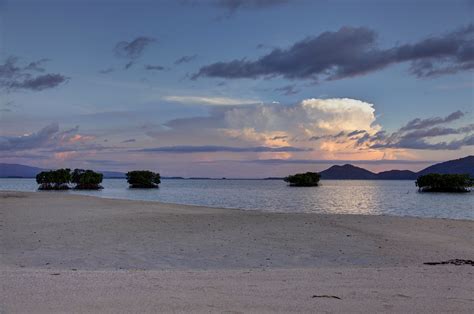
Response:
column 71, row 253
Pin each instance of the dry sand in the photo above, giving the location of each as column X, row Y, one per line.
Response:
column 70, row 253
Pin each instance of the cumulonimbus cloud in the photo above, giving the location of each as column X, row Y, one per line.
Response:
column 352, row 51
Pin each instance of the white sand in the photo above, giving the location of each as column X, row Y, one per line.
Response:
column 69, row 253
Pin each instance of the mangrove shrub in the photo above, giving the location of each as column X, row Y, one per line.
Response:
column 435, row 182
column 303, row 179
column 143, row 179
column 86, row 179
column 54, row 179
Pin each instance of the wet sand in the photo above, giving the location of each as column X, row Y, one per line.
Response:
column 71, row 253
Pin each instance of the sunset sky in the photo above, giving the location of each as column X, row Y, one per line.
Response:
column 236, row 88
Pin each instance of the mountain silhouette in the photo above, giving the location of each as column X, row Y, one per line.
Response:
column 350, row 172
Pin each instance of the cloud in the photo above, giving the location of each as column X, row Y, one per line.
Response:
column 216, row 149
column 29, row 141
column 287, row 90
column 132, row 140
column 232, row 6
column 14, row 77
column 337, row 161
column 423, row 134
column 185, row 59
column 352, row 51
column 150, row 67
column 128, row 65
column 211, row 101
column 423, row 123
column 310, row 117
column 356, row 132
column 50, row 139
column 133, row 49
column 39, row 83
column 274, row 125
column 416, row 143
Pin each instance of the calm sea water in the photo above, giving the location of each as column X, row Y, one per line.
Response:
column 331, row 197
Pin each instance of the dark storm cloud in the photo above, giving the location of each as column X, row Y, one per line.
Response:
column 133, row 49
column 15, row 77
column 423, row 123
column 150, row 67
column 352, row 51
column 216, row 149
column 185, row 59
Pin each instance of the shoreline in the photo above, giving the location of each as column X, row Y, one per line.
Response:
column 76, row 253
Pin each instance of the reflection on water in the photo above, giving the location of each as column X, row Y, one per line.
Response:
column 332, row 196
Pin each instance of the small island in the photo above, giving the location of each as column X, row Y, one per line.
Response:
column 452, row 183
column 143, row 179
column 86, row 179
column 303, row 179
column 54, row 179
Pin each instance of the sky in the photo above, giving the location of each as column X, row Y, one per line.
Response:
column 234, row 88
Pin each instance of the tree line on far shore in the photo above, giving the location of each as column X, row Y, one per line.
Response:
column 90, row 180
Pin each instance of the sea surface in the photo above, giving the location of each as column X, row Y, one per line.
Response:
column 400, row 198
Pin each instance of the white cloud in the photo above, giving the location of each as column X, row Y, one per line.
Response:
column 211, row 101
column 309, row 118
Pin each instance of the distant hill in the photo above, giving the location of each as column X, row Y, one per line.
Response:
column 22, row 171
column 397, row 175
column 18, row 171
column 347, row 172
column 350, row 172
column 462, row 165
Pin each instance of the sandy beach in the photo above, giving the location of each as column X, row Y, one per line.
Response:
column 70, row 253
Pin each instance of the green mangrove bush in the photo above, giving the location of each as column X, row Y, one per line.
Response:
column 303, row 179
column 143, row 179
column 86, row 179
column 435, row 182
column 54, row 179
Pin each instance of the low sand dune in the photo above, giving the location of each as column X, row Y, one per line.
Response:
column 70, row 253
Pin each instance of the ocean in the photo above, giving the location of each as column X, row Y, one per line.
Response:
column 399, row 198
